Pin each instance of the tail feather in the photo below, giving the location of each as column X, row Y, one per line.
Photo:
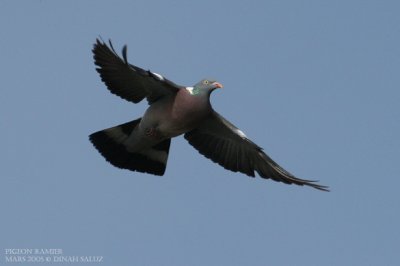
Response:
column 110, row 143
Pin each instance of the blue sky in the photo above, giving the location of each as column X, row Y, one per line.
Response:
column 315, row 83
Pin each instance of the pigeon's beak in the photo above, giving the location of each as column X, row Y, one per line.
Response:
column 217, row 85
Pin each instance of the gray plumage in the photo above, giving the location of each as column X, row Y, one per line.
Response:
column 143, row 144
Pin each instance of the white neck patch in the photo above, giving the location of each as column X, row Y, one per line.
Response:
column 190, row 90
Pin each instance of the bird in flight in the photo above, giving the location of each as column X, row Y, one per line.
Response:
column 143, row 144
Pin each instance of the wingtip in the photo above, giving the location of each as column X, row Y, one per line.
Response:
column 311, row 183
column 111, row 46
column 99, row 44
column 96, row 44
column 99, row 39
column 322, row 188
column 124, row 53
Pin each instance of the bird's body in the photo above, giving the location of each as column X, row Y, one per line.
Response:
column 177, row 115
column 143, row 144
column 167, row 118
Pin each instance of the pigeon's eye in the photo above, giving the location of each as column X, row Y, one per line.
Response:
column 205, row 82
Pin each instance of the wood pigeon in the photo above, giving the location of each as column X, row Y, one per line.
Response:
column 143, row 144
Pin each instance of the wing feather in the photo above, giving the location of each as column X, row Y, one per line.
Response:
column 129, row 82
column 219, row 140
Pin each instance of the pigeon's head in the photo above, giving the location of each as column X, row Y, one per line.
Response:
column 206, row 86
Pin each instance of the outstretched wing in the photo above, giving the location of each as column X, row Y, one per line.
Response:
column 128, row 81
column 219, row 140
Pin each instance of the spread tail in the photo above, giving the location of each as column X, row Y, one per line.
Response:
column 111, row 144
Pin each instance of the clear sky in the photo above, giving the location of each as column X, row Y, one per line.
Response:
column 315, row 83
